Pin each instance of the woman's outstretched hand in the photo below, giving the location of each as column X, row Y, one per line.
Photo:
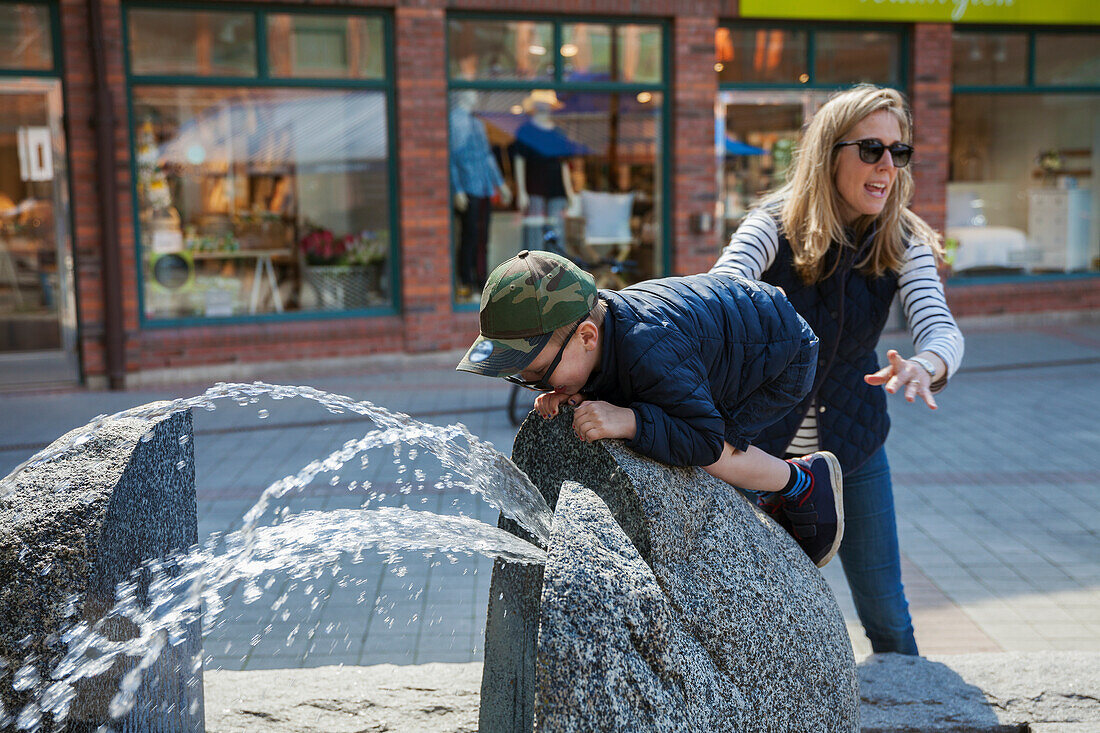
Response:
column 902, row 373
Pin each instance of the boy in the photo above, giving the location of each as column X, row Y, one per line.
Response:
column 687, row 370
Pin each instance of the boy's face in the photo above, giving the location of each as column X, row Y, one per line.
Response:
column 580, row 356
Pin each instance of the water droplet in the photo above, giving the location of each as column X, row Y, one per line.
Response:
column 185, row 439
column 334, row 480
column 26, row 678
column 180, row 465
column 262, row 414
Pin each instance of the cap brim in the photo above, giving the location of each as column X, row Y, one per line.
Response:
column 502, row 357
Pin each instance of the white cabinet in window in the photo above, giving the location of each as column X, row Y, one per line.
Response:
column 1058, row 223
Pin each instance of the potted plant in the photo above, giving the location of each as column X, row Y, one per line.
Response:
column 345, row 272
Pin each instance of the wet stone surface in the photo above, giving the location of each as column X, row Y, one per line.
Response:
column 76, row 526
column 668, row 598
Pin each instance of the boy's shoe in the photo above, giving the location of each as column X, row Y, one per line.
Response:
column 816, row 521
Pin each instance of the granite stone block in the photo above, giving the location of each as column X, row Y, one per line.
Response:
column 74, row 527
column 672, row 583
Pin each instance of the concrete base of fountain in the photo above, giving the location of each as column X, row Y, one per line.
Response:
column 975, row 693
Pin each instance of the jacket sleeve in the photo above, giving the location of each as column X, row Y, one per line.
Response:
column 677, row 421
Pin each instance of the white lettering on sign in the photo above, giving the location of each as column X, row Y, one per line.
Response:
column 958, row 7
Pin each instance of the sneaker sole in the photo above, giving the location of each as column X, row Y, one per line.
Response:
column 837, row 477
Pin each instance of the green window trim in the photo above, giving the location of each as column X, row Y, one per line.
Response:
column 812, row 29
column 263, row 79
column 1030, row 86
column 557, row 84
column 56, row 70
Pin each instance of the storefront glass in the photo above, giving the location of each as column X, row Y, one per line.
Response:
column 326, row 46
column 38, row 330
column 25, row 41
column 846, row 57
column 757, row 55
column 258, row 199
column 1067, row 59
column 772, row 79
column 561, row 167
column 192, row 43
column 1022, row 194
column 989, row 59
column 500, row 50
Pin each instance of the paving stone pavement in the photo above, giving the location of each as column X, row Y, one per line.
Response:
column 996, row 495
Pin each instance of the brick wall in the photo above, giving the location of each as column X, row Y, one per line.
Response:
column 694, row 90
column 1056, row 294
column 930, row 98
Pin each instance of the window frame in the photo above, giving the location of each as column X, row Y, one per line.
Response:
column 1029, row 86
column 265, row 80
column 56, row 69
column 557, row 84
column 812, row 29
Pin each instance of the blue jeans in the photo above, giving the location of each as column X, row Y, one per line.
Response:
column 871, row 559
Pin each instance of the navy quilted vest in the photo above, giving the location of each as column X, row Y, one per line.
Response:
column 848, row 311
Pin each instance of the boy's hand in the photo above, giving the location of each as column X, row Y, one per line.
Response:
column 547, row 403
column 595, row 420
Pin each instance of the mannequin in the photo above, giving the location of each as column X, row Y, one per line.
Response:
column 544, row 186
column 475, row 176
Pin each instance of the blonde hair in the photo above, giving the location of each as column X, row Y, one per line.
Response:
column 809, row 205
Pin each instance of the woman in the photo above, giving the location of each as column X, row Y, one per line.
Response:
column 840, row 240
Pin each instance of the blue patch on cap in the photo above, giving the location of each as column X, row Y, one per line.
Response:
column 481, row 352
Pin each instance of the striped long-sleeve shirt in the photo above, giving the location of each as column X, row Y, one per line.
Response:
column 752, row 250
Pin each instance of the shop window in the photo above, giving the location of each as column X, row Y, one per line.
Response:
column 257, row 199
column 790, row 57
column 499, row 49
column 595, row 52
column 262, row 200
column 1022, row 195
column 192, row 43
column 1067, row 59
column 989, row 59
column 586, row 52
column 576, row 173
column 761, row 55
column 847, row 57
column 549, row 166
column 338, row 47
column 25, row 41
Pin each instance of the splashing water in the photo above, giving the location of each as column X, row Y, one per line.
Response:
column 494, row 476
column 186, row 588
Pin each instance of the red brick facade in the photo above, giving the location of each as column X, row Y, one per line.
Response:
column 428, row 321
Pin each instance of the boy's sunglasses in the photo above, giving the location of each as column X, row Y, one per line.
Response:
column 542, row 384
column 870, row 151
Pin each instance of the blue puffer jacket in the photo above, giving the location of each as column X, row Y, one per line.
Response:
column 702, row 359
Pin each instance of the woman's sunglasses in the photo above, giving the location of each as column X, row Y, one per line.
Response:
column 870, row 151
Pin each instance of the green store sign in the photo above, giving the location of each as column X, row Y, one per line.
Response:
column 1071, row 12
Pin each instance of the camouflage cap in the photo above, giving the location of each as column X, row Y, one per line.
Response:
column 525, row 300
